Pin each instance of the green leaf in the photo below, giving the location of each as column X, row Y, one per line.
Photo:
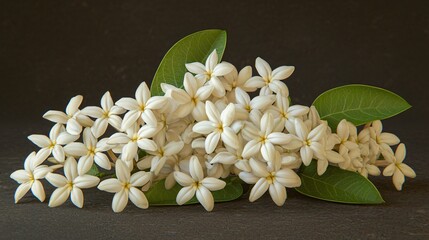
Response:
column 157, row 195
column 93, row 171
column 358, row 104
column 192, row 48
column 337, row 185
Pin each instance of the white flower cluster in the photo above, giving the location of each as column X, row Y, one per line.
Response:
column 199, row 135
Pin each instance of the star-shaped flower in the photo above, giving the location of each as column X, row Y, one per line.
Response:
column 263, row 139
column 196, row 184
column 397, row 168
column 211, row 72
column 53, row 144
column 218, row 127
column 142, row 106
column 272, row 178
column 107, row 114
column 70, row 184
column 125, row 187
column 89, row 151
column 311, row 141
column 270, row 80
column 29, row 177
column 72, row 117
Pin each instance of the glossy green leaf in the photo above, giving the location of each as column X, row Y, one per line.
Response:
column 358, row 104
column 93, row 170
column 192, row 48
column 337, row 185
column 158, row 195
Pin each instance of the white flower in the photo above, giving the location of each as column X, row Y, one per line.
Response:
column 330, row 155
column 384, row 140
column 236, row 79
column 52, row 144
column 142, row 106
column 286, row 113
column 107, row 114
column 134, row 138
column 89, row 151
column 191, row 99
column 211, row 72
column 246, row 106
column 311, row 141
column 269, row 178
column 263, row 140
column 197, row 184
column 233, row 156
column 125, row 186
column 70, row 185
column 217, row 127
column 156, row 160
column 270, row 81
column 72, row 117
column 368, row 168
column 29, row 177
column 397, row 168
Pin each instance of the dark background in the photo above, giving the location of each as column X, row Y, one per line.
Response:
column 53, row 50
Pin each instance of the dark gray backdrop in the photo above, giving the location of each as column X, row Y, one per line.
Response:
column 53, row 50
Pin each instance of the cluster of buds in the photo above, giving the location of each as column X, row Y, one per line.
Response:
column 196, row 136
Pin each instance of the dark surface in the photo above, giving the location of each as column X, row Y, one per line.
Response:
column 50, row 52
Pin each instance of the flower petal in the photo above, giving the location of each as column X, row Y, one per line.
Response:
column 259, row 189
column 185, row 194
column 111, row 185
column 213, row 184
column 22, row 190
column 56, row 116
column 138, row 198
column 86, row 181
column 120, row 201
column 140, row 178
column 77, row 197
column 41, row 141
column 59, row 196
column 278, row 193
column 211, row 142
column 56, row 180
column 205, row 197
column 195, row 169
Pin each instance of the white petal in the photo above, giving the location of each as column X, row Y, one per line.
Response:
column 149, row 118
column 407, row 171
column 229, row 137
column 204, row 92
column 122, row 171
column 212, row 112
column 211, row 141
column 111, row 185
column 262, row 102
column 58, row 153
column 85, row 164
column 263, row 68
column 306, row 155
column 190, row 84
column 59, row 196
column 77, row 197
column 20, row 176
column 268, row 151
column 212, row 60
column 267, row 123
column 288, row 178
column 147, row 144
column 259, row 169
column 389, row 170
column 213, row 184
column 248, row 177
column 140, row 178
column 183, row 179
column 180, row 96
column 224, row 158
column 322, row 165
column 205, row 197
column 282, row 72
column 400, row 153
column 317, row 133
column 118, row 138
column 204, row 127
column 254, row 83
column 398, row 180
column 56, row 180
column 41, row 141
column 185, row 194
column 73, row 127
column 74, row 104
column 120, row 201
column 138, row 198
column 130, row 118
column 228, row 115
column 128, row 103
column 95, row 112
column 196, row 67
column 129, row 151
column 66, row 138
column 156, row 102
column 242, row 97
column 301, row 129
column 102, row 160
column 22, row 190
column 251, row 148
column 56, row 116
column 278, row 193
column 279, row 138
column 222, row 69
column 86, row 181
column 195, row 169
column 259, row 189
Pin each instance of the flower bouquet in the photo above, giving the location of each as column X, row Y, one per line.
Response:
column 204, row 129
